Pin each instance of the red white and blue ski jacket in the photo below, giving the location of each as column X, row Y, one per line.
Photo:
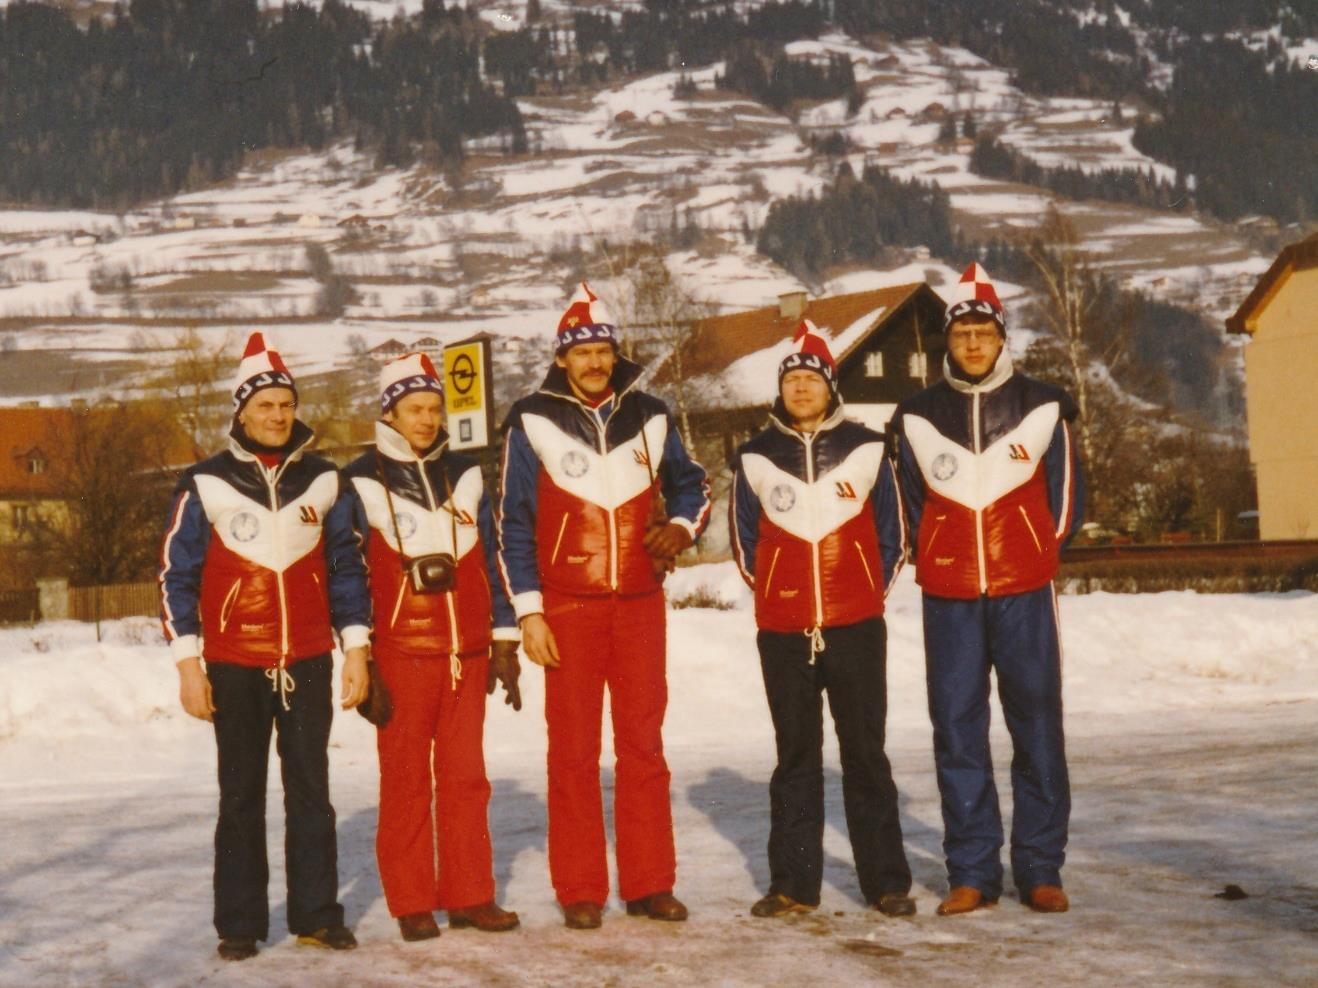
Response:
column 817, row 524
column 577, row 488
column 991, row 482
column 258, row 562
column 437, row 498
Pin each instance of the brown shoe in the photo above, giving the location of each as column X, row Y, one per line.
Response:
column 418, row 926
column 583, row 916
column 776, row 904
column 660, row 905
column 487, row 917
column 895, row 904
column 1047, row 899
column 964, row 899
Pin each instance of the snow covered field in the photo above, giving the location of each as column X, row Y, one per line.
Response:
column 1193, row 732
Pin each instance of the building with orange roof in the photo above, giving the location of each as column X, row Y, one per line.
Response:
column 1280, row 317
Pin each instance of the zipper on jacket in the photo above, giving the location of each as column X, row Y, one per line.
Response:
column 861, row 553
column 979, row 511
column 229, row 600
column 1037, row 544
column 553, row 558
column 809, row 439
column 773, row 564
column 601, row 426
column 272, row 482
column 434, row 515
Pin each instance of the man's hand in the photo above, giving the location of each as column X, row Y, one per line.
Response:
column 667, row 541
column 504, row 669
column 356, row 677
column 194, row 689
column 538, row 641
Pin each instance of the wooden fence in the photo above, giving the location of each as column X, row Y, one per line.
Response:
column 118, row 601
column 19, row 606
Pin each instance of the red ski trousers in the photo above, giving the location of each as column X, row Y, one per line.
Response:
column 433, row 840
column 617, row 642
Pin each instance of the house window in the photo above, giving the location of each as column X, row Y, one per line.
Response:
column 36, row 465
column 874, row 364
column 21, row 517
column 918, row 364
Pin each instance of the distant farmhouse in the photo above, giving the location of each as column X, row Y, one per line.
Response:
column 888, row 344
column 1281, row 318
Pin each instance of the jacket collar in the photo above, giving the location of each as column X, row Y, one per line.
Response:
column 298, row 442
column 390, row 442
column 625, row 375
column 781, row 421
column 995, row 378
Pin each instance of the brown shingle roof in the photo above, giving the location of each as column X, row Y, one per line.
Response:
column 1297, row 257
column 719, row 341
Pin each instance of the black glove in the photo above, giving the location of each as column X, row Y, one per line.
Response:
column 378, row 706
column 504, row 669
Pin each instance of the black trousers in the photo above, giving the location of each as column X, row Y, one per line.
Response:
column 852, row 668
column 247, row 706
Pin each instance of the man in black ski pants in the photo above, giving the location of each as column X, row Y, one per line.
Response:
column 818, row 533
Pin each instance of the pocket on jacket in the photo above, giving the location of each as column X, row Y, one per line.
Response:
column 226, row 608
column 864, row 564
column 1025, row 517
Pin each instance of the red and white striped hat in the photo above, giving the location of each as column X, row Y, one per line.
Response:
column 974, row 295
column 409, row 373
column 260, row 368
column 810, row 352
column 587, row 320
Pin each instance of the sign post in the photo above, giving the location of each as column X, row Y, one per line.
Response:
column 469, row 394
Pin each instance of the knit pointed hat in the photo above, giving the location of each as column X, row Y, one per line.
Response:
column 810, row 352
column 974, row 295
column 410, row 373
column 260, row 368
column 587, row 320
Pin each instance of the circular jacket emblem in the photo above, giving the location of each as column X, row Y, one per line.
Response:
column 781, row 498
column 244, row 527
column 944, row 466
column 574, row 464
column 406, row 524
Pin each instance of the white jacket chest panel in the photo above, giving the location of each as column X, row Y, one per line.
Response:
column 605, row 479
column 956, row 473
column 812, row 511
column 271, row 539
column 423, row 530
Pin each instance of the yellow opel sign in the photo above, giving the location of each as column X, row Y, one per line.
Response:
column 468, row 394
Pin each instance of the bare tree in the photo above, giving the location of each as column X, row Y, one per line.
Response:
column 191, row 375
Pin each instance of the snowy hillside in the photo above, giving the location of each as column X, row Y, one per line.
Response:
column 495, row 249
column 1191, row 725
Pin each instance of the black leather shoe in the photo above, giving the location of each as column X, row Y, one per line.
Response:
column 334, row 937
column 660, row 905
column 895, row 904
column 418, row 926
column 776, row 904
column 583, row 916
column 237, row 948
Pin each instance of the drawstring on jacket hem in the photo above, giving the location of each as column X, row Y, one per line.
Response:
column 454, row 670
column 816, row 636
column 281, row 682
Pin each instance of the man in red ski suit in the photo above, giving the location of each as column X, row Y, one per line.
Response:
column 819, row 535
column 992, row 486
column 412, row 497
column 257, row 563
column 582, row 550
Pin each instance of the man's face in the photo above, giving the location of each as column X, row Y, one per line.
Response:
column 589, row 368
column 417, row 418
column 268, row 416
column 805, row 396
column 974, row 343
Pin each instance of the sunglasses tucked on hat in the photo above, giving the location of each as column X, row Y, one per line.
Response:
column 810, row 352
column 587, row 320
column 260, row 368
column 974, row 295
column 406, row 375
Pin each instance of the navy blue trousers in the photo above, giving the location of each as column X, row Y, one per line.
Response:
column 852, row 668
column 1016, row 636
column 246, row 709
